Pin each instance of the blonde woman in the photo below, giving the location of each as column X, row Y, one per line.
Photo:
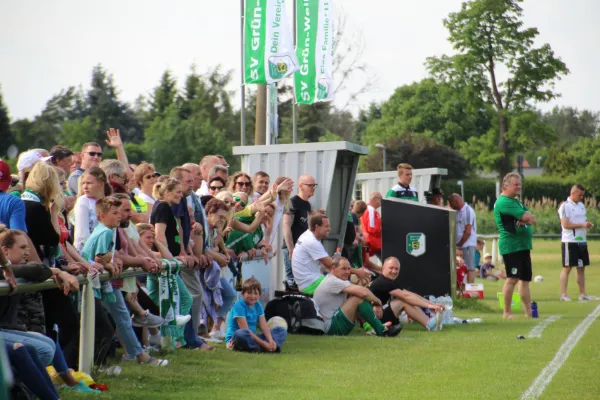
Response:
column 145, row 179
column 241, row 182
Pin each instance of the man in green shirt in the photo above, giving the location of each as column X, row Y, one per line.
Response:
column 403, row 190
column 514, row 222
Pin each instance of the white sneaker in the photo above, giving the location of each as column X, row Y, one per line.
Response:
column 217, row 335
column 584, row 298
column 565, row 298
column 212, row 340
column 181, row 320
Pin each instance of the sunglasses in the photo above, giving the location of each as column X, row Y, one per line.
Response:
column 94, row 153
column 149, row 176
column 311, row 185
column 239, row 200
column 215, row 187
column 247, row 184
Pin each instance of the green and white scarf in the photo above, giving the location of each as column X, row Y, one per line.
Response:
column 168, row 295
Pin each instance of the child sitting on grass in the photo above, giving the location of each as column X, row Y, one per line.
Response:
column 489, row 271
column 243, row 319
column 461, row 270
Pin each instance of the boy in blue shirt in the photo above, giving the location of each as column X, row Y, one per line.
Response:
column 243, row 319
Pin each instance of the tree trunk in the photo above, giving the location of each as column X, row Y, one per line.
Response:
column 504, row 167
column 260, row 128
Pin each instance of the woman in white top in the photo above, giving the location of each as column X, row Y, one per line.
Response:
column 93, row 186
column 145, row 179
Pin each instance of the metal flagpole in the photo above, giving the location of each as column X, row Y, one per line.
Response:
column 294, row 104
column 243, row 86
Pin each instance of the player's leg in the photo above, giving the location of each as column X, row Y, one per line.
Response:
column 525, row 275
column 565, row 271
column 581, row 281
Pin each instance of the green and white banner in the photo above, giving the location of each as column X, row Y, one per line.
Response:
column 268, row 46
column 314, row 47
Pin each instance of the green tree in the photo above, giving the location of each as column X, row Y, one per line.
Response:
column 5, row 131
column 491, row 42
column 570, row 124
column 102, row 105
column 162, row 96
column 421, row 152
column 437, row 109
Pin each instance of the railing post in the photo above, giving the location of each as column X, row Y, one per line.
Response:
column 494, row 251
column 86, row 332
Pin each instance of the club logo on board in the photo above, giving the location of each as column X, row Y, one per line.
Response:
column 415, row 244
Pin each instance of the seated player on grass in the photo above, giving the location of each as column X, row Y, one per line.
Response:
column 489, row 271
column 245, row 315
column 395, row 300
column 340, row 303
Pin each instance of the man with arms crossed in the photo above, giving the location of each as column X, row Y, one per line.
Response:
column 309, row 254
column 395, row 300
column 573, row 220
column 340, row 302
column 295, row 223
column 514, row 223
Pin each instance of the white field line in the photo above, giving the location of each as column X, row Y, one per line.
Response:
column 545, row 377
column 537, row 330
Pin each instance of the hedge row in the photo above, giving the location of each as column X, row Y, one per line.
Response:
column 534, row 188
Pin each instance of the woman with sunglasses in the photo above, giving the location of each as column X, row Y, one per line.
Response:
column 145, row 179
column 216, row 184
column 241, row 182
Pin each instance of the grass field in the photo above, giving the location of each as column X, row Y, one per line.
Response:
column 474, row 361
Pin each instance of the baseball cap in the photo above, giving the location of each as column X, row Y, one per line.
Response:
column 29, row 158
column 486, row 255
column 5, row 178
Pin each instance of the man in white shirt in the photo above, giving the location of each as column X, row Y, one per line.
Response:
column 341, row 302
column 574, row 223
column 466, row 232
column 309, row 254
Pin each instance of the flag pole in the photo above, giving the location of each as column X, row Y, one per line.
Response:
column 243, row 86
column 294, row 104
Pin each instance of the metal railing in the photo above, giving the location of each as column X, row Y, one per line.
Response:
column 88, row 311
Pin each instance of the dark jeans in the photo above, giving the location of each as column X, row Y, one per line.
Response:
column 30, row 371
column 60, row 310
column 243, row 340
column 287, row 262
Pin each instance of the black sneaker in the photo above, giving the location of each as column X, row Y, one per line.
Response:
column 392, row 331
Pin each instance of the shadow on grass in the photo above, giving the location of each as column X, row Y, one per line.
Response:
column 465, row 303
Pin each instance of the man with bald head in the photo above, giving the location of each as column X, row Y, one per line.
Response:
column 295, row 223
column 466, row 232
column 206, row 165
column 371, row 224
column 396, row 300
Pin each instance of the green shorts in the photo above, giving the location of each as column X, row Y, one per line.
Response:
column 340, row 325
column 313, row 286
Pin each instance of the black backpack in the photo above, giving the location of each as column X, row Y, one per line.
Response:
column 300, row 313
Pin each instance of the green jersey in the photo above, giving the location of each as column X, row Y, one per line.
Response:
column 403, row 192
column 513, row 238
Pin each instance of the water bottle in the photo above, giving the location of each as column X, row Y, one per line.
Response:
column 475, row 321
column 338, row 253
column 534, row 310
column 449, row 307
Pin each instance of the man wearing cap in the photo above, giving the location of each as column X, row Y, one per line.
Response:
column 12, row 209
column 91, row 156
column 434, row 197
